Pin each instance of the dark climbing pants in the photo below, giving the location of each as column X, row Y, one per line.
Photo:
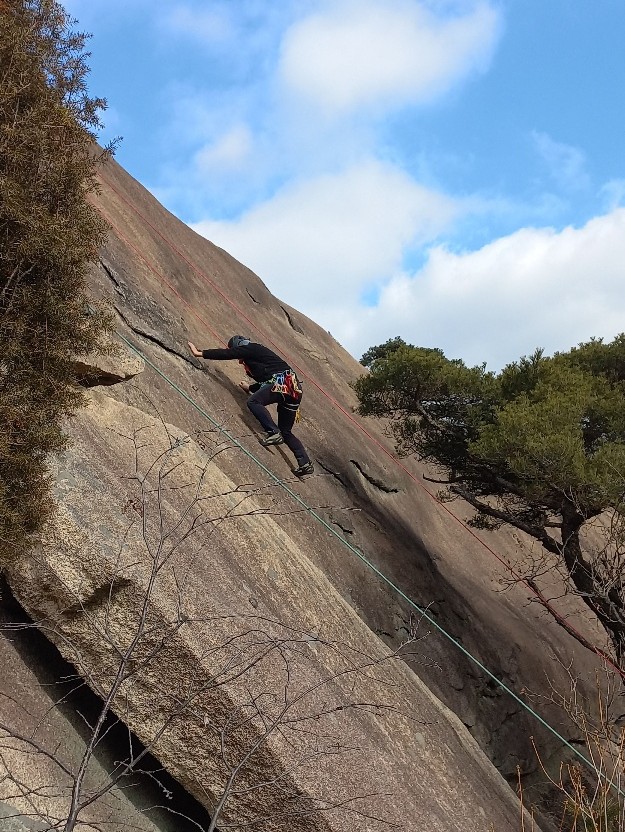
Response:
column 287, row 410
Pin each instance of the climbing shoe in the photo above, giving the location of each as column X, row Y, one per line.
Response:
column 307, row 468
column 272, row 439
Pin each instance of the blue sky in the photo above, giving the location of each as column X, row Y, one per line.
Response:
column 451, row 171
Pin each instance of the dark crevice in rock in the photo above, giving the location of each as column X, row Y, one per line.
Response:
column 387, row 489
column 332, row 473
column 343, row 528
column 154, row 338
column 98, row 378
column 152, row 791
column 292, row 323
column 110, row 272
column 102, row 596
column 252, row 297
column 491, row 689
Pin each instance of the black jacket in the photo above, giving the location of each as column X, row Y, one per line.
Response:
column 261, row 362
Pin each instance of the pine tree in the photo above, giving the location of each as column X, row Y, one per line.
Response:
column 49, row 232
column 539, row 446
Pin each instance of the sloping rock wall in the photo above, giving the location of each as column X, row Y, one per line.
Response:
column 43, row 702
column 262, row 558
column 224, row 582
column 178, row 286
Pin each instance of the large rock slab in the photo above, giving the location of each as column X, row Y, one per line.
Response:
column 196, row 568
column 166, row 285
column 44, row 718
column 110, row 367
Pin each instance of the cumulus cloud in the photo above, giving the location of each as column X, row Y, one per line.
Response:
column 292, row 93
column 227, row 168
column 369, row 54
column 534, row 288
column 324, row 240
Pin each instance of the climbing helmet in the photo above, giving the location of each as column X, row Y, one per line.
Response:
column 238, row 341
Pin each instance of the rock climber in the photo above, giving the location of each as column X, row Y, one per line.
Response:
column 274, row 383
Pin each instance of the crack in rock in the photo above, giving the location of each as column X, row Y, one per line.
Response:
column 118, row 283
column 332, row 473
column 89, row 377
column 387, row 489
column 342, row 528
column 154, row 338
column 289, row 318
column 253, row 298
column 102, row 597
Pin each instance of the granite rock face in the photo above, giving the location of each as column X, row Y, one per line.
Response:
column 234, row 599
column 251, row 634
column 120, row 364
column 42, row 702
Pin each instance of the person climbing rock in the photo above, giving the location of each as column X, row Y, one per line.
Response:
column 274, row 383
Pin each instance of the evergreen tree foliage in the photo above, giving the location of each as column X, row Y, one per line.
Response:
column 539, row 446
column 49, row 232
column 383, row 350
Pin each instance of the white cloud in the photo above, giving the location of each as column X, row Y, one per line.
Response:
column 322, row 241
column 533, row 288
column 566, row 163
column 367, row 53
column 194, row 119
column 228, row 152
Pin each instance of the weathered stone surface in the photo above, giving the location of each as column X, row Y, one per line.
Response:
column 90, row 577
column 11, row 820
column 36, row 703
column 120, row 365
column 168, row 285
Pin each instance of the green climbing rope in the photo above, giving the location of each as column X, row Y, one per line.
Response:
column 420, row 610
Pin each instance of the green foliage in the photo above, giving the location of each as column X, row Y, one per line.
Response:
column 383, row 351
column 559, row 438
column 607, row 360
column 540, row 445
column 49, row 232
column 541, row 427
column 436, row 405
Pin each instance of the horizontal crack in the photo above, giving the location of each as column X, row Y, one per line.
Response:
column 99, row 378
